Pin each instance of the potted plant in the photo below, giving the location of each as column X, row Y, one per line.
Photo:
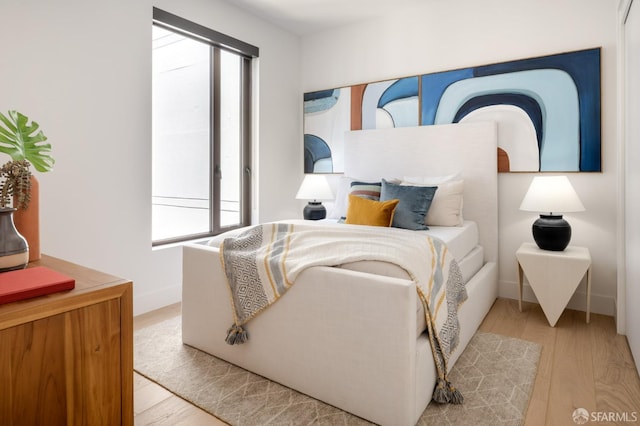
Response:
column 26, row 146
column 17, row 139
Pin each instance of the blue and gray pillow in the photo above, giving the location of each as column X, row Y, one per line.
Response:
column 413, row 206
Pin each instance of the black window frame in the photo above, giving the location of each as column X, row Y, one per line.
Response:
column 247, row 52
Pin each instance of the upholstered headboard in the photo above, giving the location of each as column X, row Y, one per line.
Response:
column 469, row 149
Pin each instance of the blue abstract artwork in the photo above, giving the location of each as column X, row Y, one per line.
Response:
column 548, row 110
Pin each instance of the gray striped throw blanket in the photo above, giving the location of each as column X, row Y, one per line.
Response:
column 262, row 262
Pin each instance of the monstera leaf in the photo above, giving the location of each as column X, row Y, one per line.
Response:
column 18, row 139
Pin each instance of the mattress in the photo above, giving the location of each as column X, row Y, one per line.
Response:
column 462, row 242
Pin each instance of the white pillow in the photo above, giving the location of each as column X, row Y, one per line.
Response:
column 342, row 198
column 446, row 207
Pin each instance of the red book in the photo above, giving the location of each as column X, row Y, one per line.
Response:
column 32, row 282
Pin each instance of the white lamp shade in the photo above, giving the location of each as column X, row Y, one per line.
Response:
column 551, row 194
column 314, row 187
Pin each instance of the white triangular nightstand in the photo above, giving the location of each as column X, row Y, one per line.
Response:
column 554, row 276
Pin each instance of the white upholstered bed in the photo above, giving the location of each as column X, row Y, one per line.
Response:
column 347, row 336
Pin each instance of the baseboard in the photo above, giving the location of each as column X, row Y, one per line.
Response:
column 600, row 304
column 151, row 301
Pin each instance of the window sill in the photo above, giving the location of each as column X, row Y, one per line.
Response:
column 199, row 240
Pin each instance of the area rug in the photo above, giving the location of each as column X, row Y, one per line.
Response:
column 495, row 374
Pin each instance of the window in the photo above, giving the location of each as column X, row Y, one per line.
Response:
column 200, row 130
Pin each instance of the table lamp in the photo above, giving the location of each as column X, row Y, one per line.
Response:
column 551, row 196
column 314, row 187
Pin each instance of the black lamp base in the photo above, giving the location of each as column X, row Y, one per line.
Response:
column 314, row 211
column 551, row 232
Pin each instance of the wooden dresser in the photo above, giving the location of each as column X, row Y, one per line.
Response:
column 67, row 358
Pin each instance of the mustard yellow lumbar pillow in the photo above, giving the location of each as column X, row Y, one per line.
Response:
column 369, row 212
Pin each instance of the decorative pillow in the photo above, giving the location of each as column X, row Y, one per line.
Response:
column 446, row 207
column 413, row 206
column 349, row 185
column 368, row 190
column 362, row 211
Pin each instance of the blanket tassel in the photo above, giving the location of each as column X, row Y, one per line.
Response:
column 236, row 335
column 446, row 393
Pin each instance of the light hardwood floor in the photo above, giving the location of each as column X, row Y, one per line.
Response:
column 582, row 366
column 153, row 404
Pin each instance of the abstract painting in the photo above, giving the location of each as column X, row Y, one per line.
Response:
column 547, row 109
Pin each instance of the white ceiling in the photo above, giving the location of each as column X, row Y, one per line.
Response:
column 309, row 16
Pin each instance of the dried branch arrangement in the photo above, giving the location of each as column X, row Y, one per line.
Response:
column 17, row 182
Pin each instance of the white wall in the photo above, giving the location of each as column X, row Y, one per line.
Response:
column 454, row 34
column 82, row 69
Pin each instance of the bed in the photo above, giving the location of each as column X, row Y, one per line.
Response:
column 350, row 336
